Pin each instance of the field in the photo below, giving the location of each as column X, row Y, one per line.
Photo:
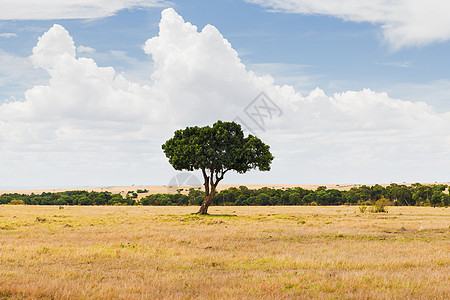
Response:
column 237, row 252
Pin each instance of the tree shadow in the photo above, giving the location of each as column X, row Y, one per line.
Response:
column 213, row 215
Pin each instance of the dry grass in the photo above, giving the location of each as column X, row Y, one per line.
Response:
column 240, row 252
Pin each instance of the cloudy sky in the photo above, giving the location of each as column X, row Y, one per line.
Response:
column 352, row 92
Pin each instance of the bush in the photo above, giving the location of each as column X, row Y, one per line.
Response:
column 362, row 208
column 380, row 206
column 16, row 202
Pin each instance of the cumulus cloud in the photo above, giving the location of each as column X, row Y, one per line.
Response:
column 76, row 125
column 404, row 23
column 200, row 71
column 68, row 9
column 88, row 118
column 78, row 88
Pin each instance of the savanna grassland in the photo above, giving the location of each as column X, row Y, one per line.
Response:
column 237, row 252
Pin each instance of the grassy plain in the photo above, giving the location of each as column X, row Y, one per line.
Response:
column 238, row 252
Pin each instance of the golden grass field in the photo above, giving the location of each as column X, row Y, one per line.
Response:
column 237, row 252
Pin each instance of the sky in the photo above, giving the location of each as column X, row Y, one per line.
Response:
column 342, row 91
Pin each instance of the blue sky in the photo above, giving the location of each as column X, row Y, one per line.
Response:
column 301, row 45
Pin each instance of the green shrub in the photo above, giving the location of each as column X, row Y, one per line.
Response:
column 16, row 202
column 380, row 206
column 363, row 208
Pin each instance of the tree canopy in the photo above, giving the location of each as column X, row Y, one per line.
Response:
column 215, row 151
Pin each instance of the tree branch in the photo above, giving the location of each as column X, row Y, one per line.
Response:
column 206, row 184
column 219, row 176
column 211, row 179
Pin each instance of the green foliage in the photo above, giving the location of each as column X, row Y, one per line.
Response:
column 132, row 194
column 380, row 206
column 401, row 193
column 165, row 199
column 438, row 198
column 219, row 148
column 195, row 197
column 362, row 196
column 362, row 208
column 16, row 202
column 63, row 198
column 359, row 194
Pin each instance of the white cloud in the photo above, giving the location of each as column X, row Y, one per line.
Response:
column 200, row 71
column 404, row 22
column 83, row 105
column 95, row 123
column 85, row 49
column 69, row 9
column 8, row 35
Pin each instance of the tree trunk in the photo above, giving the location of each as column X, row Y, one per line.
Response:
column 210, row 189
column 208, row 198
column 206, row 203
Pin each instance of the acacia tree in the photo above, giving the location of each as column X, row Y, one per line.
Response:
column 215, row 151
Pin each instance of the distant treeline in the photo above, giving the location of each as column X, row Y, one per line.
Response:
column 415, row 194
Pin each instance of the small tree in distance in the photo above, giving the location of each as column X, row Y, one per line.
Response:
column 215, row 151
